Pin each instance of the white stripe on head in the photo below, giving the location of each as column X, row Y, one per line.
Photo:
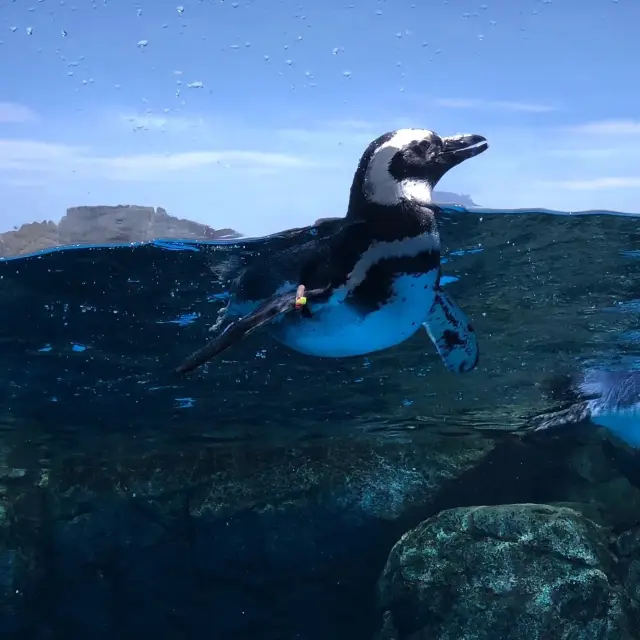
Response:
column 381, row 187
column 403, row 248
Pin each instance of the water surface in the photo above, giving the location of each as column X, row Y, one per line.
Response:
column 90, row 338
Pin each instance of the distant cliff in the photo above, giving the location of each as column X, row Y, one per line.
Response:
column 100, row 225
column 447, row 197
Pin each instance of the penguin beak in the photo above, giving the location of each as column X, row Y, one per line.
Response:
column 458, row 148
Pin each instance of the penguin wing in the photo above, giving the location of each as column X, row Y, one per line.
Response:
column 271, row 308
column 452, row 334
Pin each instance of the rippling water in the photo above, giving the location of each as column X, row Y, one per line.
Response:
column 90, row 338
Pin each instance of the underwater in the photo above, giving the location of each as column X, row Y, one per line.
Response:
column 261, row 495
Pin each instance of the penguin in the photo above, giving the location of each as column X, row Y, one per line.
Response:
column 608, row 399
column 370, row 280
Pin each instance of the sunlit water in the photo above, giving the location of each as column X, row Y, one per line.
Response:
column 90, row 338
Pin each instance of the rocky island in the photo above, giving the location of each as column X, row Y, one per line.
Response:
column 106, row 224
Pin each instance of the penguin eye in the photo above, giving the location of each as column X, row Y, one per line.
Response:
column 421, row 148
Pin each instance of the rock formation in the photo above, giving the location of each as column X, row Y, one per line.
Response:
column 507, row 571
column 105, row 224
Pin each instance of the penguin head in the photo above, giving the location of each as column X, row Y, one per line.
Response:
column 405, row 165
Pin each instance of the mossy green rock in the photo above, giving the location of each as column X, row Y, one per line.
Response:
column 510, row 571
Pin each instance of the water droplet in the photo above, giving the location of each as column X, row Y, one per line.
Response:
column 289, row 62
column 13, row 29
column 142, row 43
column 196, row 85
column 378, row 12
column 266, row 58
column 139, row 12
column 29, row 31
column 235, row 5
column 337, row 50
column 180, row 9
column 247, row 44
column 493, row 23
column 481, row 37
column 346, row 74
column 64, row 33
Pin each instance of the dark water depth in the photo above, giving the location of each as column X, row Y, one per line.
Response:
column 90, row 337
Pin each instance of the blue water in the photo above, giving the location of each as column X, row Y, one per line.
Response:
column 90, row 337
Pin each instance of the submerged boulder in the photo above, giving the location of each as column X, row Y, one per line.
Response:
column 510, row 571
column 244, row 542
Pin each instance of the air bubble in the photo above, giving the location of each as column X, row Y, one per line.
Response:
column 378, row 12
column 13, row 29
column 196, row 85
column 346, row 74
column 289, row 62
column 29, row 31
column 64, row 33
column 139, row 13
column 180, row 9
column 142, row 43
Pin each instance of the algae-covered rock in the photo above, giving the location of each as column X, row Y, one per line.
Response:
column 244, row 542
column 511, row 571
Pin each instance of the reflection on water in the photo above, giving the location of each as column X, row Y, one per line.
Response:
column 90, row 338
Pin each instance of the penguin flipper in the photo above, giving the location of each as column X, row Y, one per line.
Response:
column 270, row 309
column 452, row 334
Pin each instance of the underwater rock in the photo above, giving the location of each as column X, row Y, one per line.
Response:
column 276, row 544
column 509, row 571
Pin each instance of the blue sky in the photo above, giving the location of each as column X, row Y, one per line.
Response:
column 253, row 113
